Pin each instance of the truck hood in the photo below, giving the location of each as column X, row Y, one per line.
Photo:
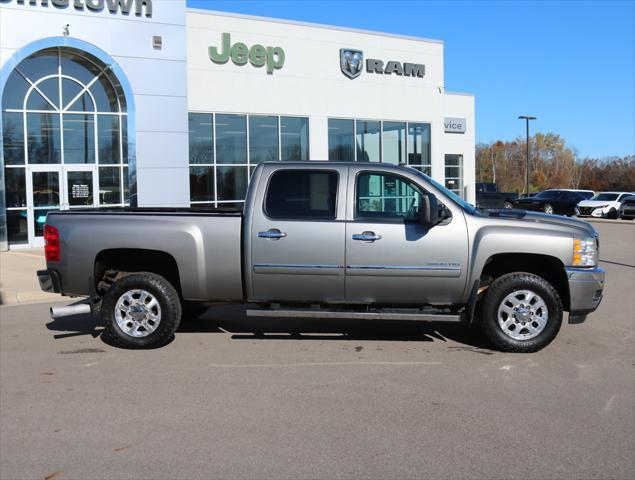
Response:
column 527, row 219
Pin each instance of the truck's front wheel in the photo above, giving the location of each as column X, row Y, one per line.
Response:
column 521, row 312
column 141, row 310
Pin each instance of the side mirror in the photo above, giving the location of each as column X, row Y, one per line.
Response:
column 429, row 210
column 432, row 212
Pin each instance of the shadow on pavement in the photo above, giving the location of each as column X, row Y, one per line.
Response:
column 231, row 319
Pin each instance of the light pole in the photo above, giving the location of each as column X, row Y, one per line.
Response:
column 527, row 118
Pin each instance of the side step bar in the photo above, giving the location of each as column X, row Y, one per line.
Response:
column 379, row 315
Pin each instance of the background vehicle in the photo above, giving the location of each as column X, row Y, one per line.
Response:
column 627, row 209
column 560, row 201
column 329, row 240
column 602, row 205
column 488, row 196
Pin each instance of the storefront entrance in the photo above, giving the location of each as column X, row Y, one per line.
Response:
column 64, row 139
column 56, row 188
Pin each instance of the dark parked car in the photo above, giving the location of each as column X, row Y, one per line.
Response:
column 488, row 196
column 627, row 208
column 562, row 202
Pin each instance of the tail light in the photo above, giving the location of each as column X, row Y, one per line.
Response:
column 51, row 244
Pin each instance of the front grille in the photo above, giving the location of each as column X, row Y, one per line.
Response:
column 586, row 210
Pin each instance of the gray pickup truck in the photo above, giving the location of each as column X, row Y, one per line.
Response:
column 329, row 240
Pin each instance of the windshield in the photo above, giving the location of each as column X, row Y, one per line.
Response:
column 605, row 196
column 453, row 196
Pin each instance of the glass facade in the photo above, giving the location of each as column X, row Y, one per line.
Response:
column 454, row 174
column 64, row 117
column 226, row 148
column 399, row 143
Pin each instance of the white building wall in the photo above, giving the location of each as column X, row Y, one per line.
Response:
column 311, row 82
column 157, row 77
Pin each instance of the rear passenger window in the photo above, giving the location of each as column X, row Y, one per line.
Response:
column 302, row 194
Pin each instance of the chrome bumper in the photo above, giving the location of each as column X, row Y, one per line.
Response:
column 585, row 291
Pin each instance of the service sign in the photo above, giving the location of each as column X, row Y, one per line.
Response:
column 454, row 125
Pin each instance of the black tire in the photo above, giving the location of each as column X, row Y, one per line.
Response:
column 163, row 292
column 508, row 205
column 612, row 214
column 499, row 290
column 547, row 207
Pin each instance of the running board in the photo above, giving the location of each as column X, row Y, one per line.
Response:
column 342, row 314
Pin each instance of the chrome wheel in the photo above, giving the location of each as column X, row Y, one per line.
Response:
column 138, row 313
column 522, row 315
column 548, row 209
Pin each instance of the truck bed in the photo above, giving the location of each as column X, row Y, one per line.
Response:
column 204, row 244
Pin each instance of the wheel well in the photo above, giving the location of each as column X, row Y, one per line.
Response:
column 109, row 263
column 545, row 266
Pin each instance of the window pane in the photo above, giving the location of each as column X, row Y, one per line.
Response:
column 46, row 189
column 15, row 187
column 454, row 173
column 50, row 89
column 302, row 194
column 13, row 138
column 368, row 141
column 294, row 137
column 201, row 184
column 17, row 227
column 201, row 137
column 231, row 183
column 15, row 91
column 79, row 138
column 43, row 137
column 387, row 197
column 104, row 95
column 37, row 102
column 231, row 139
column 126, row 185
column 108, row 138
column 124, row 139
column 109, row 185
column 70, row 90
column 239, row 206
column 79, row 189
column 394, row 143
column 78, row 67
column 418, row 144
column 341, row 142
column 39, row 65
column 263, row 139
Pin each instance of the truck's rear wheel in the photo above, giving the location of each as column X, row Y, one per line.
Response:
column 141, row 310
column 521, row 312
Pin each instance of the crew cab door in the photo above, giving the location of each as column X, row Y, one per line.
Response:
column 391, row 257
column 296, row 239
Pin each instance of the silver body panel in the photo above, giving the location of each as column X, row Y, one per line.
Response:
column 301, row 261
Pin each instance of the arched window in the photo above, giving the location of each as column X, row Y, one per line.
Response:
column 62, row 108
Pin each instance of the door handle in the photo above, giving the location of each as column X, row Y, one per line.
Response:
column 272, row 233
column 366, row 236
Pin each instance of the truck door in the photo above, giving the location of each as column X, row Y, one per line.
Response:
column 296, row 243
column 391, row 257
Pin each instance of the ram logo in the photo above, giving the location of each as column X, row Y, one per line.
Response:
column 351, row 62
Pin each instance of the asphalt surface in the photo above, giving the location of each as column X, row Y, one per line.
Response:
column 236, row 398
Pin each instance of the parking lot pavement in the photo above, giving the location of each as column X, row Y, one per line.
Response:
column 237, row 398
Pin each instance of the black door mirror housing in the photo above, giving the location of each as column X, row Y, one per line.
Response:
column 432, row 212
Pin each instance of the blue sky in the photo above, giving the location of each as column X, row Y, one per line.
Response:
column 569, row 63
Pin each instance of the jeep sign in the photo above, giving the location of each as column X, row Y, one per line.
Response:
column 454, row 125
column 240, row 54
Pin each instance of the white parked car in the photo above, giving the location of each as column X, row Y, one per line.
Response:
column 602, row 205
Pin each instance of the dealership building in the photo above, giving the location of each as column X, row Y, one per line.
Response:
column 110, row 103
